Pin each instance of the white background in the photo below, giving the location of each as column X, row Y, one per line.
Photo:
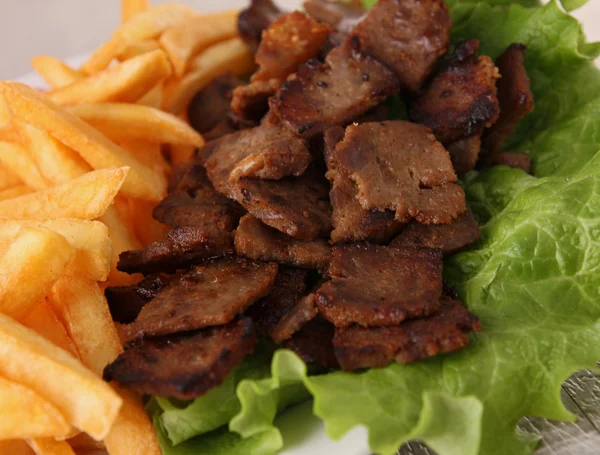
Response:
column 65, row 28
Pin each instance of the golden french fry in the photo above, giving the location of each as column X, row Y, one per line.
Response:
column 32, row 263
column 121, row 121
column 125, row 82
column 16, row 158
column 15, row 447
column 87, row 402
column 14, row 192
column 145, row 227
column 93, row 146
column 231, row 56
column 102, row 57
column 44, row 320
column 137, row 48
column 154, row 98
column 55, row 72
column 185, row 40
column 93, row 246
column 56, row 162
column 8, row 178
column 25, row 414
column 48, row 446
column 130, row 8
column 86, row 198
column 149, row 153
column 180, row 153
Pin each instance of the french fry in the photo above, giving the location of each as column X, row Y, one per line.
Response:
column 48, row 446
column 154, row 98
column 125, row 82
column 14, row 191
column 87, row 402
column 121, row 121
column 130, row 8
column 16, row 158
column 148, row 153
column 185, row 40
column 86, row 198
column 137, row 48
column 55, row 72
column 8, row 178
column 25, row 414
column 102, row 57
column 231, row 56
column 44, row 320
column 56, row 162
column 145, row 227
column 15, row 447
column 93, row 146
column 90, row 239
column 35, row 259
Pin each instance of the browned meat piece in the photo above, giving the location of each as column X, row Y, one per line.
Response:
column 446, row 331
column 256, row 18
column 290, row 286
column 126, row 302
column 375, row 285
column 449, row 238
column 304, row 311
column 350, row 221
column 314, row 345
column 409, row 36
column 340, row 16
column 460, row 102
column 187, row 177
column 252, row 100
column 255, row 240
column 322, row 95
column 183, row 366
column 222, row 129
column 399, row 166
column 297, row 206
column 514, row 93
column 210, row 294
column 181, row 248
column 264, row 152
column 210, row 106
column 512, row 159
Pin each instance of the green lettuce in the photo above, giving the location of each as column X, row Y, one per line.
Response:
column 532, row 279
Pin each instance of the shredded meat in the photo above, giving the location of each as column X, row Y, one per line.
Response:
column 340, row 16
column 252, row 101
column 512, row 159
column 210, row 294
column 375, row 285
column 256, row 18
column 255, row 240
column 183, row 366
column 446, row 331
column 464, row 153
column 399, row 166
column 126, row 302
column 210, row 106
column 313, row 344
column 304, row 311
column 409, row 36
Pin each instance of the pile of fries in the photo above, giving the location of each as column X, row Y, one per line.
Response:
column 81, row 168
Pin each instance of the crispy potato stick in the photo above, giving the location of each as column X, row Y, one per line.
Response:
column 180, row 153
column 132, row 121
column 15, row 447
column 154, row 98
column 231, row 56
column 48, row 446
column 125, row 82
column 93, row 246
column 25, row 414
column 185, row 40
column 16, row 158
column 44, row 320
column 148, row 153
column 56, row 162
column 35, row 259
column 95, row 148
column 5, row 115
column 14, row 191
column 86, row 198
column 86, row 401
column 130, row 8
column 8, row 178
column 137, row 48
column 55, row 72
column 102, row 57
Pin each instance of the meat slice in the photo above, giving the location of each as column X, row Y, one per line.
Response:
column 265, row 152
column 181, row 248
column 511, row 159
column 350, row 221
column 464, row 153
column 409, row 36
column 314, row 344
column 304, row 311
column 400, row 166
column 210, row 106
column 252, row 101
column 255, row 240
column 514, row 93
column 183, row 366
column 449, row 238
column 446, row 331
column 374, row 285
column 322, row 95
column 340, row 16
column 298, row 207
column 256, row 18
column 213, row 293
column 126, row 302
